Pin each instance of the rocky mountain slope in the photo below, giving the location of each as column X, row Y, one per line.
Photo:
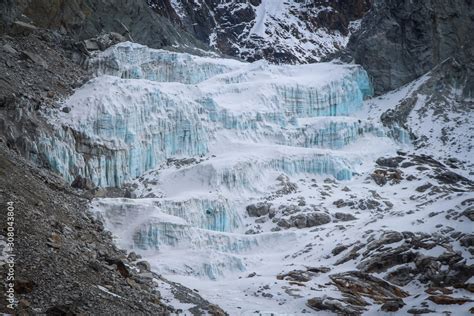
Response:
column 399, row 41
column 292, row 31
column 83, row 19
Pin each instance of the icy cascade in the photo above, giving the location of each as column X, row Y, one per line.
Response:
column 133, row 61
column 217, row 215
column 119, row 128
column 149, row 111
column 200, row 226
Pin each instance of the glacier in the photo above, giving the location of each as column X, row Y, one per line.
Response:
column 148, row 105
column 199, row 138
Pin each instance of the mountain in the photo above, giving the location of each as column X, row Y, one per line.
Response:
column 237, row 157
column 399, row 41
column 295, row 31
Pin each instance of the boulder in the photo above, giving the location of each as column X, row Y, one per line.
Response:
column 295, row 275
column 392, row 306
column 259, row 209
column 344, row 217
column 317, row 219
column 467, row 240
column 144, row 266
column 469, row 213
column 333, row 305
column 389, row 162
column 7, row 48
column 363, row 284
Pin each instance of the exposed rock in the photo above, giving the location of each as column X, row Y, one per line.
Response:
column 344, row 217
column 392, row 306
column 334, row 305
column 144, row 266
column 420, row 311
column 20, row 28
column 388, row 237
column 351, row 255
column 363, row 284
column 215, row 310
column 318, row 269
column 85, row 19
column 259, row 209
column 295, row 275
column 285, row 185
column 469, row 213
column 382, row 176
column 52, row 283
column 450, row 177
column 104, row 41
column 120, row 265
column 431, row 103
column 401, row 276
column 7, row 48
column 448, row 300
column 62, row 310
column 305, row 220
column 389, row 162
column 467, row 240
column 401, row 40
column 291, row 33
column 338, row 249
column 66, row 109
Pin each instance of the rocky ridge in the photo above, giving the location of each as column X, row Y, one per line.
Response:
column 279, row 31
column 399, row 41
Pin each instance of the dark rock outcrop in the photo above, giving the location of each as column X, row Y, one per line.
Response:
column 259, row 209
column 236, row 29
column 363, row 284
column 401, row 40
column 334, row 305
column 83, row 19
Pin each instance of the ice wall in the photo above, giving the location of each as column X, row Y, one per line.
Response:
column 134, row 61
column 244, row 123
column 149, row 105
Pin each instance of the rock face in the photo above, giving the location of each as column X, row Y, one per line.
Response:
column 84, row 19
column 436, row 109
column 400, row 40
column 280, row 31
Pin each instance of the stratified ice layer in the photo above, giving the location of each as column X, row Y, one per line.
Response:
column 159, row 104
column 242, row 123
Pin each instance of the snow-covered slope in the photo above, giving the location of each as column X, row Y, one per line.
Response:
column 270, row 189
column 291, row 31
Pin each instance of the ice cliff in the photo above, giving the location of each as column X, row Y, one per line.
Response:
column 149, row 105
column 199, row 137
